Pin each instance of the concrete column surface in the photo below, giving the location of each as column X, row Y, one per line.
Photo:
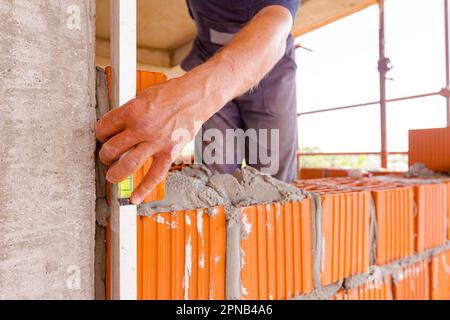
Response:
column 47, row 143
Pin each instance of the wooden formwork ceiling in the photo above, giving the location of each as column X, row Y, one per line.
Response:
column 165, row 29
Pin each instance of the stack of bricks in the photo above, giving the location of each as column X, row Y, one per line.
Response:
column 412, row 224
column 225, row 237
column 431, row 148
column 318, row 173
column 287, row 249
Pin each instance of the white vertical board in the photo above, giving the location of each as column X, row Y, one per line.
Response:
column 123, row 218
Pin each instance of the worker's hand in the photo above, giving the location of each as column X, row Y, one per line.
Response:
column 144, row 128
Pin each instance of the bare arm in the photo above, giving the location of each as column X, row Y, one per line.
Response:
column 144, row 126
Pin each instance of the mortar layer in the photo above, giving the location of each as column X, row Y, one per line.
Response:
column 197, row 187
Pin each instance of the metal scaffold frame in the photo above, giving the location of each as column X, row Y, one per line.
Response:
column 383, row 68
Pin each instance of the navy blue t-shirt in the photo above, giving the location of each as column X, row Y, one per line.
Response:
column 291, row 5
column 218, row 21
column 245, row 9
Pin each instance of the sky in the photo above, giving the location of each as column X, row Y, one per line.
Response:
column 342, row 70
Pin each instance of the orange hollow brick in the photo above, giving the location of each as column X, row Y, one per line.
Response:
column 395, row 223
column 310, row 173
column 144, row 80
column 345, row 235
column 394, row 209
column 277, row 252
column 412, row 282
column 432, row 214
column 317, row 173
column 180, row 255
column 345, row 231
column 440, row 276
column 430, row 147
column 435, row 197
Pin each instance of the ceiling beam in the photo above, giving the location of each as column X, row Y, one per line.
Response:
column 315, row 14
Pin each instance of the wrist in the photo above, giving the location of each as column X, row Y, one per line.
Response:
column 213, row 83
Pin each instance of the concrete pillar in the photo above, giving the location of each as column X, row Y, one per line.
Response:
column 47, row 143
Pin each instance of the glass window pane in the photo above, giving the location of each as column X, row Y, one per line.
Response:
column 342, row 69
column 413, row 114
column 415, row 44
column 348, row 130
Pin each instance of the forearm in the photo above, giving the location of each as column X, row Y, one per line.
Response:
column 244, row 61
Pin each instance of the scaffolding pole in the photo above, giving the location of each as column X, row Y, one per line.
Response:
column 383, row 68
